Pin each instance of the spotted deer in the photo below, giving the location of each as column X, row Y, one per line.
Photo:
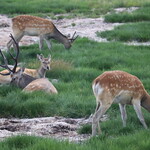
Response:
column 36, row 26
column 37, row 73
column 22, row 80
column 122, row 88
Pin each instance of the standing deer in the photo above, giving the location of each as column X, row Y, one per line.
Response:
column 37, row 73
column 36, row 26
column 122, row 88
column 23, row 80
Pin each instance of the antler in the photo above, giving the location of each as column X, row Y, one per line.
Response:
column 16, row 47
column 6, row 64
column 73, row 39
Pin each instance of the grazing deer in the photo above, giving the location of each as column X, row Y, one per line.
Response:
column 36, row 26
column 36, row 73
column 122, row 88
column 21, row 79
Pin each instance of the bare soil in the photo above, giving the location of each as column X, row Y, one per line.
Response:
column 54, row 127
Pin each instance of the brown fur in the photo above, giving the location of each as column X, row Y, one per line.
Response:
column 42, row 84
column 122, row 88
column 22, row 22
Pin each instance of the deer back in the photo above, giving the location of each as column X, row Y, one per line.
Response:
column 32, row 25
column 114, row 82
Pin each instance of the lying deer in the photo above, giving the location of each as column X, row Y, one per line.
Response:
column 35, row 26
column 37, row 73
column 22, row 80
column 122, row 88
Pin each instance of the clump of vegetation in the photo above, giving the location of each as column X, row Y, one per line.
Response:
column 78, row 7
column 85, row 129
column 141, row 14
column 137, row 141
column 129, row 32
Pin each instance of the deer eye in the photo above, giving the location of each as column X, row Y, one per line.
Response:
column 15, row 78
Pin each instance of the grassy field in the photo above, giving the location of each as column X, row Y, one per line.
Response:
column 91, row 8
column 129, row 32
column 75, row 70
column 137, row 141
column 141, row 14
column 136, row 30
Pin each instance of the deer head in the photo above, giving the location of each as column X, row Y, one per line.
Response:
column 45, row 62
column 70, row 40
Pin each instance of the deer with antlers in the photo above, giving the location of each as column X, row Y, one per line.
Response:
column 22, row 80
column 37, row 73
column 122, row 88
column 36, row 26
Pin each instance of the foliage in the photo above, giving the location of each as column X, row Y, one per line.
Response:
column 141, row 14
column 87, row 7
column 137, row 141
column 129, row 32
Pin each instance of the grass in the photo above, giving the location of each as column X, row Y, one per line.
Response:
column 78, row 7
column 135, row 141
column 138, row 30
column 75, row 70
column 129, row 32
column 141, row 14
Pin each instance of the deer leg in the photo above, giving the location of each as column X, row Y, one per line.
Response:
column 137, row 108
column 17, row 37
column 97, row 107
column 41, row 42
column 49, row 45
column 96, row 117
column 123, row 113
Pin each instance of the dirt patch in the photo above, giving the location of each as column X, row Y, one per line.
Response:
column 54, row 127
column 129, row 9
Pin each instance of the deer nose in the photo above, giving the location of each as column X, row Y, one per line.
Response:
column 48, row 67
column 68, row 46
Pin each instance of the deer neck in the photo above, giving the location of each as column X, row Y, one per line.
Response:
column 23, row 81
column 41, row 72
column 145, row 102
column 60, row 37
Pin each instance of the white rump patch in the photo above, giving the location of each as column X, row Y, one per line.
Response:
column 97, row 89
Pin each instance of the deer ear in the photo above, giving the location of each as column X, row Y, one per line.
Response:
column 21, row 70
column 68, row 36
column 40, row 57
column 11, row 74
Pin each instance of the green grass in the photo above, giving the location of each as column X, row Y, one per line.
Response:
column 138, row 30
column 137, row 141
column 87, row 7
column 75, row 72
column 128, row 32
column 141, row 14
